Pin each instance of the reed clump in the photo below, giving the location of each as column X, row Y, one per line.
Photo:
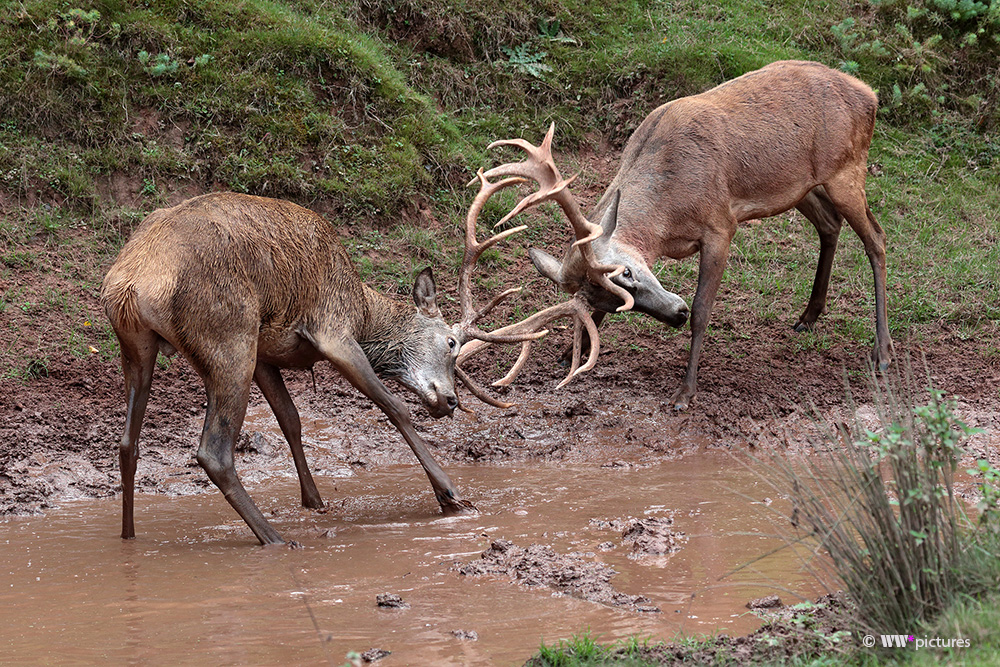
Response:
column 881, row 503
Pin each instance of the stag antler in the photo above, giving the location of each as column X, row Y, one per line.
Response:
column 470, row 314
column 542, row 168
column 539, row 167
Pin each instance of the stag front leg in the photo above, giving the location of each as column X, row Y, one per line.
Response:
column 711, row 265
column 268, row 378
column 350, row 361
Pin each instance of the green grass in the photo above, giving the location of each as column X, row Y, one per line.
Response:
column 970, row 620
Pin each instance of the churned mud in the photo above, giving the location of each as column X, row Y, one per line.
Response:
column 60, row 433
column 574, row 574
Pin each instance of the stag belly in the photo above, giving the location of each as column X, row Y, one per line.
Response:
column 766, row 204
column 285, row 348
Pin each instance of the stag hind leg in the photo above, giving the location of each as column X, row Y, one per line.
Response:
column 847, row 192
column 268, row 378
column 138, row 350
column 227, row 377
column 821, row 212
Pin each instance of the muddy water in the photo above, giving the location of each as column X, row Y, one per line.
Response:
column 194, row 586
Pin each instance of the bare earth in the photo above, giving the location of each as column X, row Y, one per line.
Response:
column 760, row 390
column 758, row 387
column 60, row 432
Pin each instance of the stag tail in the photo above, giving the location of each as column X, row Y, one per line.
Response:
column 121, row 304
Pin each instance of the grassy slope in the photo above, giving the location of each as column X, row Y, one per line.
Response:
column 370, row 111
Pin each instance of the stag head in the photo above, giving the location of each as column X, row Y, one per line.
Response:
column 540, row 167
column 636, row 277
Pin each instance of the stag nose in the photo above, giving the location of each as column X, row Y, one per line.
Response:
column 682, row 315
column 444, row 401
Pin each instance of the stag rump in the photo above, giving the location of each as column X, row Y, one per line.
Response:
column 791, row 135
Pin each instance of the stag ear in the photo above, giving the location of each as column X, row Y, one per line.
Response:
column 425, row 294
column 609, row 221
column 547, row 265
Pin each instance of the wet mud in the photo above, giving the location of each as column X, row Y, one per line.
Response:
column 381, row 569
column 599, row 502
column 60, row 433
column 573, row 574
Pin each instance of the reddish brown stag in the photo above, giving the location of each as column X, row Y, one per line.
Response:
column 243, row 286
column 791, row 135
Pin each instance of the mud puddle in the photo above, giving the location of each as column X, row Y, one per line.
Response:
column 194, row 585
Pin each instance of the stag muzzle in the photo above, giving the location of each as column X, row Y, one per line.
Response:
column 656, row 302
column 440, row 402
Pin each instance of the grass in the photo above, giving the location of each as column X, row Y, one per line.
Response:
column 375, row 110
column 974, row 621
column 372, row 111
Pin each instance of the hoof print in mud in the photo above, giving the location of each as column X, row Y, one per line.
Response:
column 390, row 601
column 570, row 574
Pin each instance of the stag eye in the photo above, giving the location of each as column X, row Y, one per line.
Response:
column 627, row 273
column 452, row 343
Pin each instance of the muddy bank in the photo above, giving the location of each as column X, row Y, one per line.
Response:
column 60, row 432
column 787, row 634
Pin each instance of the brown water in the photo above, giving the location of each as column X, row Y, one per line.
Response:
column 195, row 588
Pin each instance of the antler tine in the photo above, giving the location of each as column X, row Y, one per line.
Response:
column 595, row 348
column 478, row 391
column 515, row 370
column 475, row 248
column 541, row 167
column 576, row 307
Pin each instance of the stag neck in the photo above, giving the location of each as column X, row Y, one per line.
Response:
column 385, row 327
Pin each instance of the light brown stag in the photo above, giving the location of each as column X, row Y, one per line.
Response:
column 243, row 286
column 790, row 135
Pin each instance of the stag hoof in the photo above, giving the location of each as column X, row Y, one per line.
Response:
column 682, row 399
column 802, row 325
column 290, row 544
column 313, row 504
column 457, row 506
column 881, row 359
